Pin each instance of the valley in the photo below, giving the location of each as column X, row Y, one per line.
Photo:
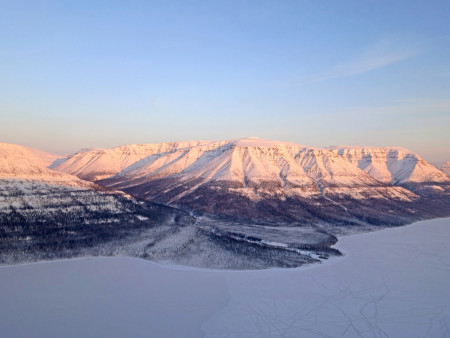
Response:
column 237, row 204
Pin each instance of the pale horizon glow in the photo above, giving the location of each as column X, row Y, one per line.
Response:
column 103, row 74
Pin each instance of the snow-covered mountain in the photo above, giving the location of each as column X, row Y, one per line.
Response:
column 44, row 213
column 391, row 164
column 255, row 179
column 444, row 167
column 95, row 164
column 258, row 203
column 36, row 156
column 253, row 167
column 27, row 163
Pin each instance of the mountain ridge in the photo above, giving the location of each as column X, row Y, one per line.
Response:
column 210, row 177
column 394, row 165
column 25, row 163
column 242, row 203
column 85, row 164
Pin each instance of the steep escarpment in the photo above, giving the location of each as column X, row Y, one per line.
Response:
column 256, row 180
column 95, row 164
column 392, row 164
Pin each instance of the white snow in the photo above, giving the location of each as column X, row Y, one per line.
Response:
column 96, row 163
column 39, row 157
column 444, row 167
column 391, row 283
column 29, row 165
column 253, row 162
column 391, row 164
column 253, row 158
column 288, row 168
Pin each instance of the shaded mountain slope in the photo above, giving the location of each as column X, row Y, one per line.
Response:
column 268, row 181
column 46, row 214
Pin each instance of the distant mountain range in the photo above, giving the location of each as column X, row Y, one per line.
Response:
column 259, row 180
column 254, row 203
column 444, row 167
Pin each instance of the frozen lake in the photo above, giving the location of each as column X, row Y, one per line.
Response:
column 391, row 283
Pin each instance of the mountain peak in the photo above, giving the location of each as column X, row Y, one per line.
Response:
column 24, row 163
column 393, row 165
column 36, row 156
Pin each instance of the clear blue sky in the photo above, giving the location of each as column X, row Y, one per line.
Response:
column 79, row 74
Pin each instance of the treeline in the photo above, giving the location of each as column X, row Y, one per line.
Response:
column 51, row 230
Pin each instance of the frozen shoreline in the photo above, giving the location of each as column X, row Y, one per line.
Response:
column 390, row 282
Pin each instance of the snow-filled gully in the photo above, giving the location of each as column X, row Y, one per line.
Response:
column 328, row 198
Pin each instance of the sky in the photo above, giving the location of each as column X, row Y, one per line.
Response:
column 77, row 74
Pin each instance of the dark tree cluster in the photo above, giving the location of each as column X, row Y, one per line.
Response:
column 66, row 223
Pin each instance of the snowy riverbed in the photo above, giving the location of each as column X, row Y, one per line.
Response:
column 391, row 283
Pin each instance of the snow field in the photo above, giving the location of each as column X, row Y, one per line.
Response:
column 391, row 283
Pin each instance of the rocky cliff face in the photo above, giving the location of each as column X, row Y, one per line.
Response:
column 260, row 180
column 391, row 165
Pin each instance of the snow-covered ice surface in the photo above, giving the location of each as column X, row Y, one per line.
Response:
column 106, row 297
column 391, row 283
